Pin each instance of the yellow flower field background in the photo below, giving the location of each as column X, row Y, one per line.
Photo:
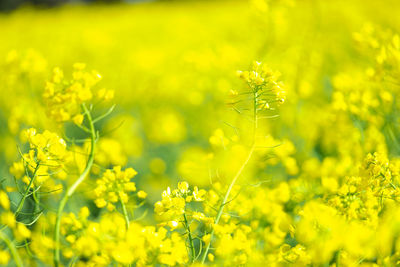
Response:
column 201, row 133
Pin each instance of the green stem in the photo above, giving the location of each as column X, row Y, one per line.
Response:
column 72, row 189
column 13, row 250
column 125, row 212
column 338, row 263
column 191, row 244
column 225, row 200
column 21, row 202
column 36, row 198
column 239, row 172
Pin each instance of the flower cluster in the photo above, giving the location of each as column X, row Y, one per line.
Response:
column 173, row 204
column 114, row 186
column 64, row 97
column 364, row 196
column 351, row 94
column 46, row 157
column 97, row 243
column 264, row 83
column 253, row 227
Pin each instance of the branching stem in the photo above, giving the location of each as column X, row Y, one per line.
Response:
column 22, row 201
column 237, row 175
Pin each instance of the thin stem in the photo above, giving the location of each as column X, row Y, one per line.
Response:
column 72, row 189
column 225, row 200
column 21, row 202
column 36, row 198
column 338, row 263
column 13, row 250
column 239, row 172
column 191, row 244
column 125, row 212
column 255, row 115
column 109, row 111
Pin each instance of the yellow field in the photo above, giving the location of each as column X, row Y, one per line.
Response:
column 220, row 133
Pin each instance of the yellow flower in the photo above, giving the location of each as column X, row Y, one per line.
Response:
column 21, row 232
column 199, row 194
column 65, row 97
column 114, row 185
column 78, row 119
column 142, row 194
column 183, row 187
column 8, row 219
column 4, row 201
column 4, row 257
column 206, row 239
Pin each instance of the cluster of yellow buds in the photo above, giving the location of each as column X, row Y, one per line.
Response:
column 233, row 240
column 261, row 80
column 46, row 156
column 218, row 139
column 363, row 196
column 98, row 243
column 82, row 236
column 378, row 176
column 114, row 186
column 381, row 176
column 71, row 224
column 173, row 203
column 385, row 44
column 64, row 97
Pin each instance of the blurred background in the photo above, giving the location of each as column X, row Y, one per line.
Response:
column 173, row 67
